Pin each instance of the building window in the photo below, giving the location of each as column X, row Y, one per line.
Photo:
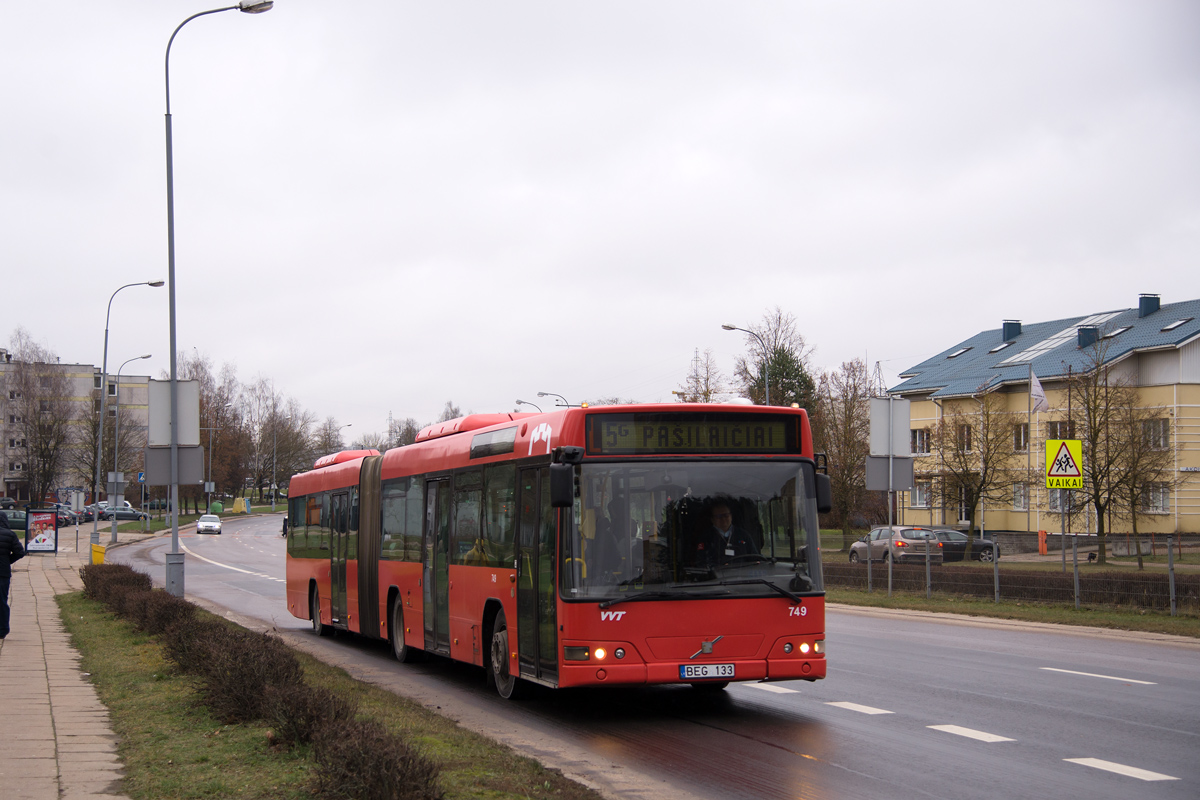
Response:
column 96, row 382
column 1021, row 438
column 44, row 380
column 1156, row 499
column 44, row 405
column 112, row 390
column 1157, row 433
column 964, row 438
column 921, row 494
column 1020, row 497
column 1057, row 501
column 920, row 441
column 963, row 511
column 1061, row 429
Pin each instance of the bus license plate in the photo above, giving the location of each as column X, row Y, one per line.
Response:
column 691, row 672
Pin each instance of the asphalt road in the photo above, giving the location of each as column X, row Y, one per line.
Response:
column 915, row 706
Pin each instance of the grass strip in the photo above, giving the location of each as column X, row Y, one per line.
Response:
column 1093, row 616
column 173, row 748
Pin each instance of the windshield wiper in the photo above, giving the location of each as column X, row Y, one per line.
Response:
column 795, row 598
column 647, row 596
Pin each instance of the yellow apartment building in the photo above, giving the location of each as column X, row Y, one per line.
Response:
column 1153, row 347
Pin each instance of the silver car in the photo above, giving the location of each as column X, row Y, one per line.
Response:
column 209, row 523
column 901, row 544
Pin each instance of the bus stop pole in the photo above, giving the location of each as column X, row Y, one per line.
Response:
column 1075, row 561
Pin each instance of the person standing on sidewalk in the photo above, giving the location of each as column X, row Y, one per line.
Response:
column 10, row 550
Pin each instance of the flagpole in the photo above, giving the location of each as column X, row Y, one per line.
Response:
column 1028, row 448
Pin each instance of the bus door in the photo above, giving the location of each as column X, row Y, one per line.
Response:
column 337, row 557
column 437, row 565
column 537, row 618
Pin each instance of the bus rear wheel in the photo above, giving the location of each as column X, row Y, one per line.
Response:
column 508, row 686
column 404, row 654
column 314, row 608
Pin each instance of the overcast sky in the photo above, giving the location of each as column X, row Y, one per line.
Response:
column 387, row 205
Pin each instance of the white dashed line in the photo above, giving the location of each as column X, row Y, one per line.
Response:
column 859, row 709
column 1121, row 769
column 970, row 734
column 770, row 687
column 1094, row 675
column 235, row 569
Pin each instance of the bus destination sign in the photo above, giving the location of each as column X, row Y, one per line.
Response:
column 651, row 434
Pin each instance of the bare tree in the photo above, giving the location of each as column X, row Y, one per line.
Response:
column 372, row 441
column 975, row 456
column 841, row 428
column 1147, row 466
column 450, row 412
column 43, row 409
column 1099, row 401
column 704, row 383
column 778, row 357
column 405, row 432
column 328, row 437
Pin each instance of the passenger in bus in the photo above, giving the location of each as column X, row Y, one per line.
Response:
column 723, row 541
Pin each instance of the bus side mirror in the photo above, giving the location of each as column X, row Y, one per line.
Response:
column 824, row 494
column 562, row 485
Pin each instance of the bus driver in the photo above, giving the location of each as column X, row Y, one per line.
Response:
column 723, row 542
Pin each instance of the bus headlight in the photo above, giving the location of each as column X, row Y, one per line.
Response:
column 600, row 653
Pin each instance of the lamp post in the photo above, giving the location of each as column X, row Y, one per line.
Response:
column 103, row 403
column 175, row 558
column 117, row 442
column 527, row 403
column 766, row 358
column 552, row 394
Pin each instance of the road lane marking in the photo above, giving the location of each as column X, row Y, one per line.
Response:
column 970, row 734
column 860, row 709
column 770, row 687
column 1094, row 675
column 227, row 566
column 1121, row 769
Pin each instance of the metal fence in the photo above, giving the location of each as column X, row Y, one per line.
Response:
column 1159, row 590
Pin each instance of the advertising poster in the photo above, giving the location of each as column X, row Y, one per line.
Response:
column 41, row 531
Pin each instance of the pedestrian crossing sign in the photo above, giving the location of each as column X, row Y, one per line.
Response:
column 1064, row 464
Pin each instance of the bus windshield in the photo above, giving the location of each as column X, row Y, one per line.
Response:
column 678, row 529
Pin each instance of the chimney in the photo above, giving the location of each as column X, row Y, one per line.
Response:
column 1011, row 329
column 1088, row 335
column 1147, row 304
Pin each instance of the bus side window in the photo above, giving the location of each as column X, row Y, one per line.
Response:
column 500, row 513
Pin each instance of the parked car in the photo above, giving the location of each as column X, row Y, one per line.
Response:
column 123, row 513
column 65, row 515
column 954, row 547
column 7, row 502
column 208, row 523
column 900, row 543
column 15, row 517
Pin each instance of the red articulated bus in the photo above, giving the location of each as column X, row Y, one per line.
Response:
column 606, row 546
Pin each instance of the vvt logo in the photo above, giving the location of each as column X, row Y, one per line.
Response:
column 611, row 615
column 540, row 434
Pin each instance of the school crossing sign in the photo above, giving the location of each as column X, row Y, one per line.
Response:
column 1064, row 464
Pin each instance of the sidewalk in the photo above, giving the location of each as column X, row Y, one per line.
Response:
column 57, row 740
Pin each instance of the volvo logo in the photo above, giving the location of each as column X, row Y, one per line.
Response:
column 706, row 647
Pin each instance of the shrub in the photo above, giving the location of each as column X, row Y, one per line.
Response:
column 237, row 668
column 297, row 712
column 155, row 611
column 361, row 759
column 108, row 583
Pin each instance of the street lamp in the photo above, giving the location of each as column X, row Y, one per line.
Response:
column 103, row 403
column 552, row 394
column 117, row 443
column 527, row 403
column 175, row 558
column 766, row 358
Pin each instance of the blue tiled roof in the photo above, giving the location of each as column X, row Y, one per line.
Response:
column 966, row 372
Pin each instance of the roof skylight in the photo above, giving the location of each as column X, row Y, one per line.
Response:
column 1176, row 324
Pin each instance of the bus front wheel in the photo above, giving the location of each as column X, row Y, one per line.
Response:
column 509, row 686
